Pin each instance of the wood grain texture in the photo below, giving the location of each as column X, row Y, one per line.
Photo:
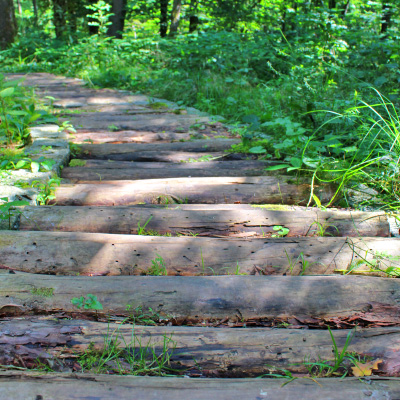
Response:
column 37, row 386
column 240, row 220
column 216, row 297
column 72, row 253
column 252, row 190
column 217, row 352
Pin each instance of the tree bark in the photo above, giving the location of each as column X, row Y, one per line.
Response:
column 59, row 17
column 163, row 17
column 235, row 190
column 218, row 352
column 342, row 300
column 346, row 9
column 237, row 220
column 8, row 23
column 35, row 13
column 34, row 385
column 332, row 4
column 175, row 17
column 386, row 16
column 116, row 28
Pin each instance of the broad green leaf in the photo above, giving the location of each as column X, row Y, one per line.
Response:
column 21, row 164
column 257, row 150
column 7, row 92
column 35, row 166
column 275, row 167
column 296, row 162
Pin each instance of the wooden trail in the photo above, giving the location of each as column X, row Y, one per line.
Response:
column 156, row 190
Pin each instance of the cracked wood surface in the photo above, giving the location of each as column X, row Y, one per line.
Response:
column 252, row 190
column 216, row 297
column 222, row 352
column 236, row 220
column 72, row 253
column 37, row 385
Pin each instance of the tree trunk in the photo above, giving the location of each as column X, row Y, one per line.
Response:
column 8, row 23
column 346, row 9
column 35, row 12
column 332, row 4
column 386, row 17
column 175, row 17
column 116, row 28
column 59, row 17
column 163, row 17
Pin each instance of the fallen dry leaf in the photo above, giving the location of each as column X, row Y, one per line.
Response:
column 365, row 369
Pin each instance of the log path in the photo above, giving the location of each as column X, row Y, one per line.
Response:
column 152, row 190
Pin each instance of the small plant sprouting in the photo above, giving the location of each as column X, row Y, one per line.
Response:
column 43, row 292
column 89, row 303
column 321, row 228
column 46, row 190
column 280, row 231
column 7, row 209
column 305, row 264
column 142, row 229
column 158, row 267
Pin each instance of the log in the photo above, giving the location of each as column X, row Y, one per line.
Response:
column 107, row 151
column 92, row 175
column 127, row 137
column 37, row 385
column 343, row 299
column 123, row 121
column 251, row 190
column 96, row 254
column 217, row 352
column 222, row 163
column 235, row 220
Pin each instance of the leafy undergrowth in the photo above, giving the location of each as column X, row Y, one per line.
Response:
column 313, row 104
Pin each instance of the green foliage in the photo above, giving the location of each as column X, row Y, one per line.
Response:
column 7, row 208
column 89, row 302
column 46, row 190
column 158, row 267
column 43, row 292
column 18, row 112
column 77, row 163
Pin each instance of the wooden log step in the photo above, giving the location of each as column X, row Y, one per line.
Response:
column 223, row 163
column 127, row 137
column 119, row 121
column 38, row 385
column 96, row 137
column 77, row 253
column 340, row 299
column 221, row 352
column 235, row 190
column 88, row 175
column 107, row 151
column 238, row 220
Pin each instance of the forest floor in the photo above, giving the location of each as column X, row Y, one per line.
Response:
column 160, row 241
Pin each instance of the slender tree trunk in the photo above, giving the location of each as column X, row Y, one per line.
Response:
column 35, row 13
column 193, row 18
column 19, row 7
column 163, row 17
column 8, row 23
column 175, row 17
column 72, row 12
column 346, row 9
column 332, row 4
column 118, row 19
column 59, row 17
column 386, row 17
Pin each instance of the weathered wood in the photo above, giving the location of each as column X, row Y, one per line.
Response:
column 89, row 175
column 107, row 151
column 124, row 121
column 221, row 163
column 127, row 137
column 252, row 190
column 17, row 385
column 238, row 220
column 72, row 253
column 341, row 298
column 223, row 352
